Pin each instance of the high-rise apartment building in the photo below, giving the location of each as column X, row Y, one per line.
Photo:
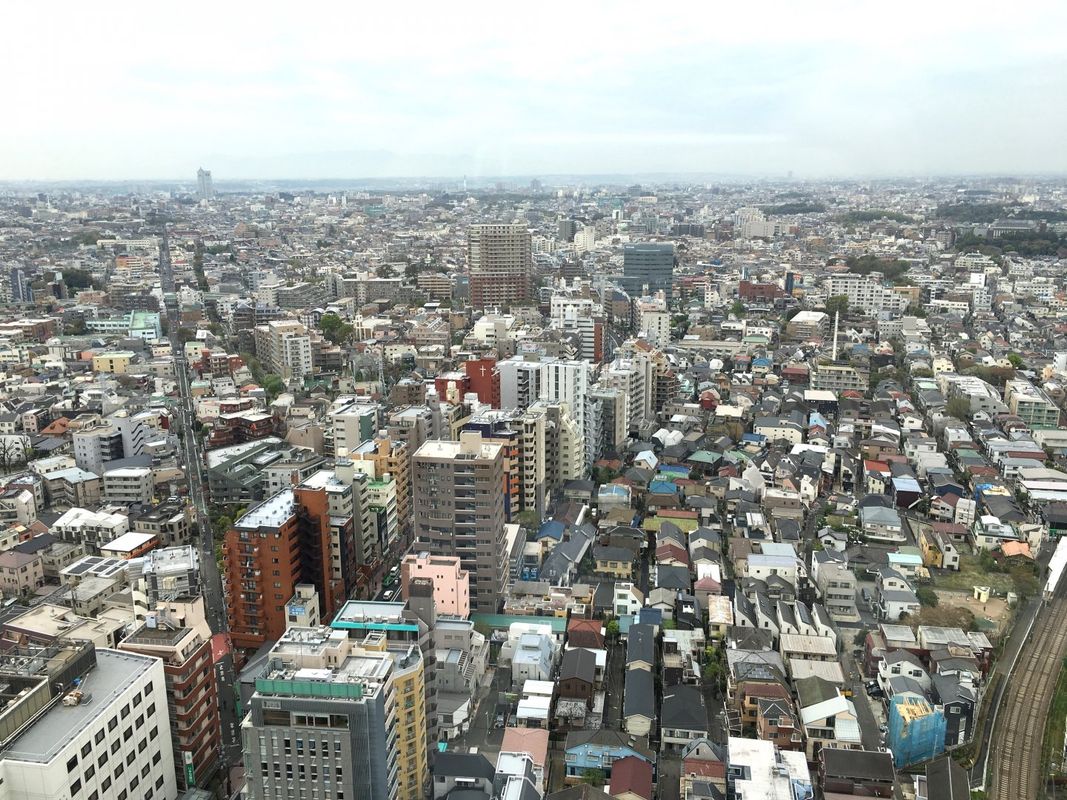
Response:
column 284, row 347
column 338, row 719
column 304, row 534
column 648, row 268
column 499, row 256
column 190, row 683
column 205, row 190
column 459, row 510
column 81, row 722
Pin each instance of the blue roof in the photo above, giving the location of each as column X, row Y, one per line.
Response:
column 662, row 487
column 761, row 362
column 753, row 437
column 650, row 616
column 552, row 529
column 675, row 468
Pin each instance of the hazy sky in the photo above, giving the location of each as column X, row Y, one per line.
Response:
column 365, row 89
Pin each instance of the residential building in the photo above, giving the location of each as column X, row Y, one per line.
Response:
column 499, row 258
column 451, row 583
column 459, row 511
column 190, row 685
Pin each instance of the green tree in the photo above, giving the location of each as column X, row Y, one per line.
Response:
column 738, row 309
column 837, row 303
column 927, row 596
column 594, row 777
column 334, row 328
column 611, row 630
column 273, row 385
column 1016, row 360
column 186, row 335
column 959, row 407
column 77, row 278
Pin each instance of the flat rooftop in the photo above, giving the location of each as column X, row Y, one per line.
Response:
column 271, row 513
column 47, row 737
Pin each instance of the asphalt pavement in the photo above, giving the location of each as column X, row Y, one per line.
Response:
column 210, row 579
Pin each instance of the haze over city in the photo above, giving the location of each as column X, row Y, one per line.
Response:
column 834, row 89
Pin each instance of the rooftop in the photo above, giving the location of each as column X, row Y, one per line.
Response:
column 115, row 671
column 271, row 513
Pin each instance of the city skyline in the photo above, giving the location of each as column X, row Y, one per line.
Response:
column 829, row 91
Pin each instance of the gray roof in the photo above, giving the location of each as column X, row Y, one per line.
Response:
column 683, row 708
column 639, row 696
column 578, row 663
column 463, row 765
column 114, row 673
column 641, row 644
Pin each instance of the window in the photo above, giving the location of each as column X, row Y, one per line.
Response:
column 140, row 721
column 95, row 795
column 135, row 783
column 112, row 723
column 105, row 784
column 127, row 734
column 148, row 689
column 159, row 781
column 90, row 772
column 121, row 795
column 156, row 757
column 72, row 764
column 130, row 757
column 142, row 745
column 136, row 700
column 115, row 745
column 101, row 759
column 119, row 770
column 145, row 769
column 99, row 737
column 125, row 711
column 86, row 749
column 75, row 787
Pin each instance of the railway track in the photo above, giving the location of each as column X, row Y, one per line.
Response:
column 1016, row 745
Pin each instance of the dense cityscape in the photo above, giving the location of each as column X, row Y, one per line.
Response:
column 533, row 488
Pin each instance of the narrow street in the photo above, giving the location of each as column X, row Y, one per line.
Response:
column 192, row 459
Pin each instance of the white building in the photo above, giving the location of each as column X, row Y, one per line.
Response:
column 129, row 485
column 114, row 743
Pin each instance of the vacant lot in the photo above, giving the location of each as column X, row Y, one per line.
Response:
column 995, row 610
column 970, row 575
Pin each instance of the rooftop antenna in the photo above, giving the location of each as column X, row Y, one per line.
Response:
column 837, row 322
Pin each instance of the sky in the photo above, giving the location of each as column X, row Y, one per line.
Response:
column 126, row 91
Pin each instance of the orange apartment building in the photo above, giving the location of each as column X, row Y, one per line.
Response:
column 288, row 539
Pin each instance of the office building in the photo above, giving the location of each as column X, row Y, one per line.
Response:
column 204, row 188
column 459, row 510
column 648, row 268
column 80, row 722
column 499, row 258
column 337, row 718
column 190, row 684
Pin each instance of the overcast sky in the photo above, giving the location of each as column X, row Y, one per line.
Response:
column 368, row 89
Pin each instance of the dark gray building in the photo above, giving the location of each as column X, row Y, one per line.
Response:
column 648, row 265
column 323, row 715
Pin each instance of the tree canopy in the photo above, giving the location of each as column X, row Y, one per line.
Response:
column 334, row 328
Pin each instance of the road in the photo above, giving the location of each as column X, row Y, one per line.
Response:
column 193, row 461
